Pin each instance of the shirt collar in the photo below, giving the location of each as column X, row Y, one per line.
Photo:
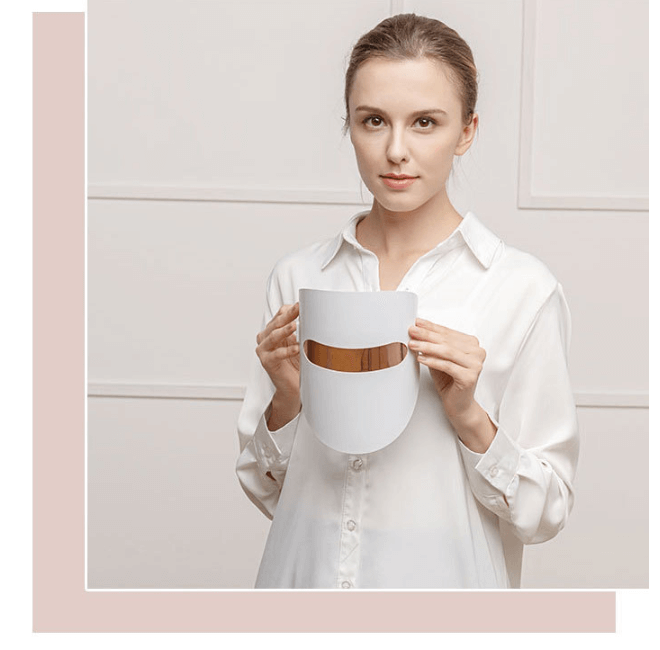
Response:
column 480, row 240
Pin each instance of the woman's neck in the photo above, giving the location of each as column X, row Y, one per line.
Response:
column 401, row 235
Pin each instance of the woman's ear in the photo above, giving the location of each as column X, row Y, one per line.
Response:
column 467, row 135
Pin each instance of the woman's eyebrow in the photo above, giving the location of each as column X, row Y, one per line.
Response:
column 371, row 109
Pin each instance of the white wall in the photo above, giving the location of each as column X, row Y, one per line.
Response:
column 215, row 146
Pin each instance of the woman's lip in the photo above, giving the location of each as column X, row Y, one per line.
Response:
column 401, row 183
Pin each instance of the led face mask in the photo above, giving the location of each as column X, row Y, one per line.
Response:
column 358, row 380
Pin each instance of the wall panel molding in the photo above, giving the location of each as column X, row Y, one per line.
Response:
column 225, row 194
column 527, row 200
column 613, row 399
column 166, row 391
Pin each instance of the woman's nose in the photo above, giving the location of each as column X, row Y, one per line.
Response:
column 396, row 147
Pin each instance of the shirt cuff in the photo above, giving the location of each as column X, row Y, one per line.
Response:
column 273, row 448
column 496, row 467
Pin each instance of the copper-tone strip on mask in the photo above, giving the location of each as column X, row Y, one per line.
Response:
column 355, row 359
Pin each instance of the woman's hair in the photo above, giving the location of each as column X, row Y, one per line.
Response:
column 408, row 36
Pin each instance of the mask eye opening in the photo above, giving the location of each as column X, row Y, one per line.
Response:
column 355, row 359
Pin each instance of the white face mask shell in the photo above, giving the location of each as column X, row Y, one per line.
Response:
column 357, row 412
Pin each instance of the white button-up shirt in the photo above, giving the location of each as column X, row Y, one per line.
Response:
column 425, row 512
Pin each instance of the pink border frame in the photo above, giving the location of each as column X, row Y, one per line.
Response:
column 61, row 603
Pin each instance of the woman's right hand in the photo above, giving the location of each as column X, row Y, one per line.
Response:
column 278, row 350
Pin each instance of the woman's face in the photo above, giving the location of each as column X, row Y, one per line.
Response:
column 405, row 118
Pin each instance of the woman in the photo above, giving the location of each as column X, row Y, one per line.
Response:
column 487, row 461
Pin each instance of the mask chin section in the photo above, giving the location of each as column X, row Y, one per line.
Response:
column 355, row 359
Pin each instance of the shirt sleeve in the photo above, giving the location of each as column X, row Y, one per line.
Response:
column 526, row 475
column 264, row 454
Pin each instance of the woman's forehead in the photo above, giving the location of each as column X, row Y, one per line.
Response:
column 408, row 81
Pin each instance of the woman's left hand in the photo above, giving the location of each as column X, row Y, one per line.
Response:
column 455, row 361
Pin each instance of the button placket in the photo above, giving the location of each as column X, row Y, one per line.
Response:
column 422, row 267
column 416, row 274
column 349, row 552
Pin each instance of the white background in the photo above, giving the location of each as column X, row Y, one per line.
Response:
column 215, row 147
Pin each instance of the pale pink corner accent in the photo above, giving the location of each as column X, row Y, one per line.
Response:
column 60, row 600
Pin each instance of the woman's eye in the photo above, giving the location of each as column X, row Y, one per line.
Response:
column 426, row 122
column 373, row 117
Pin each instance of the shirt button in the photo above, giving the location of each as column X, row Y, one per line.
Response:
column 494, row 471
column 346, row 584
column 350, row 524
column 357, row 463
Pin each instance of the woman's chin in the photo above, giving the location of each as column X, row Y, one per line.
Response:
column 398, row 204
